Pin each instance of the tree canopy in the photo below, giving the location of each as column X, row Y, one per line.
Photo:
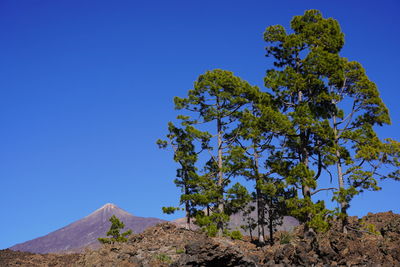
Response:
column 314, row 120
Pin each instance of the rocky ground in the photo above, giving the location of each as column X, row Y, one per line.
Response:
column 371, row 241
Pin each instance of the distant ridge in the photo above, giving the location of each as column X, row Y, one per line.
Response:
column 84, row 232
column 236, row 220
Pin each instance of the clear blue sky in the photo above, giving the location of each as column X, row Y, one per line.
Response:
column 86, row 89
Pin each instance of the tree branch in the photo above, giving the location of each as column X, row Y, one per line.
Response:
column 323, row 189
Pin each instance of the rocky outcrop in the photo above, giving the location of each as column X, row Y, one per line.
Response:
column 157, row 246
column 371, row 241
column 215, row 252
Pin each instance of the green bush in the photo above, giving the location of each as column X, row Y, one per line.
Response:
column 285, row 238
column 237, row 235
column 180, row 250
column 370, row 228
column 163, row 257
column 209, row 223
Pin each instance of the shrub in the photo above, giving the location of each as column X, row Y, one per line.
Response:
column 180, row 250
column 369, row 228
column 163, row 257
column 285, row 238
column 237, row 235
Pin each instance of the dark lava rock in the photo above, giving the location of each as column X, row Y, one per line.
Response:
column 16, row 258
column 215, row 253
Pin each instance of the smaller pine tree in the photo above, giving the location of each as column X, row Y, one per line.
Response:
column 114, row 232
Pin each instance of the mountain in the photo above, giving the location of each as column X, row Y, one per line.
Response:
column 236, row 220
column 84, row 232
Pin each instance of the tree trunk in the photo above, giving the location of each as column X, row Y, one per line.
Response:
column 220, row 225
column 304, row 152
column 305, row 188
column 187, row 208
column 259, row 199
column 343, row 204
column 187, row 220
column 271, row 228
column 306, row 191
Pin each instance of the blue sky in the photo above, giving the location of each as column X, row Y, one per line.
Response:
column 86, row 89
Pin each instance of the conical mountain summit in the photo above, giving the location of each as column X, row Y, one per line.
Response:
column 86, row 231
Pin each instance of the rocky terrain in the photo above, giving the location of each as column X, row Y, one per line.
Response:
column 371, row 241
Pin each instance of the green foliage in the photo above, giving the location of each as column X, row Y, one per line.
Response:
column 237, row 199
column 249, row 224
column 274, row 195
column 209, row 223
column 163, row 258
column 180, row 250
column 215, row 103
column 114, row 232
column 314, row 215
column 236, row 235
column 369, row 228
column 306, row 60
column 285, row 238
column 333, row 107
column 181, row 140
column 170, row 210
column 357, row 152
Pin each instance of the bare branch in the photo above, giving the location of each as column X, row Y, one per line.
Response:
column 348, row 117
column 360, row 230
column 323, row 189
column 212, row 156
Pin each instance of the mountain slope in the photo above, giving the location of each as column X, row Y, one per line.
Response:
column 85, row 232
column 236, row 220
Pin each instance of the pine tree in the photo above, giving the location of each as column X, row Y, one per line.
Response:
column 358, row 153
column 304, row 60
column 285, row 140
column 249, row 224
column 114, row 232
column 260, row 124
column 275, row 194
column 182, row 142
column 215, row 99
column 314, row 87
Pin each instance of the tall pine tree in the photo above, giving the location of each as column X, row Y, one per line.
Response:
column 304, row 60
column 358, row 153
column 182, row 142
column 260, row 124
column 214, row 101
